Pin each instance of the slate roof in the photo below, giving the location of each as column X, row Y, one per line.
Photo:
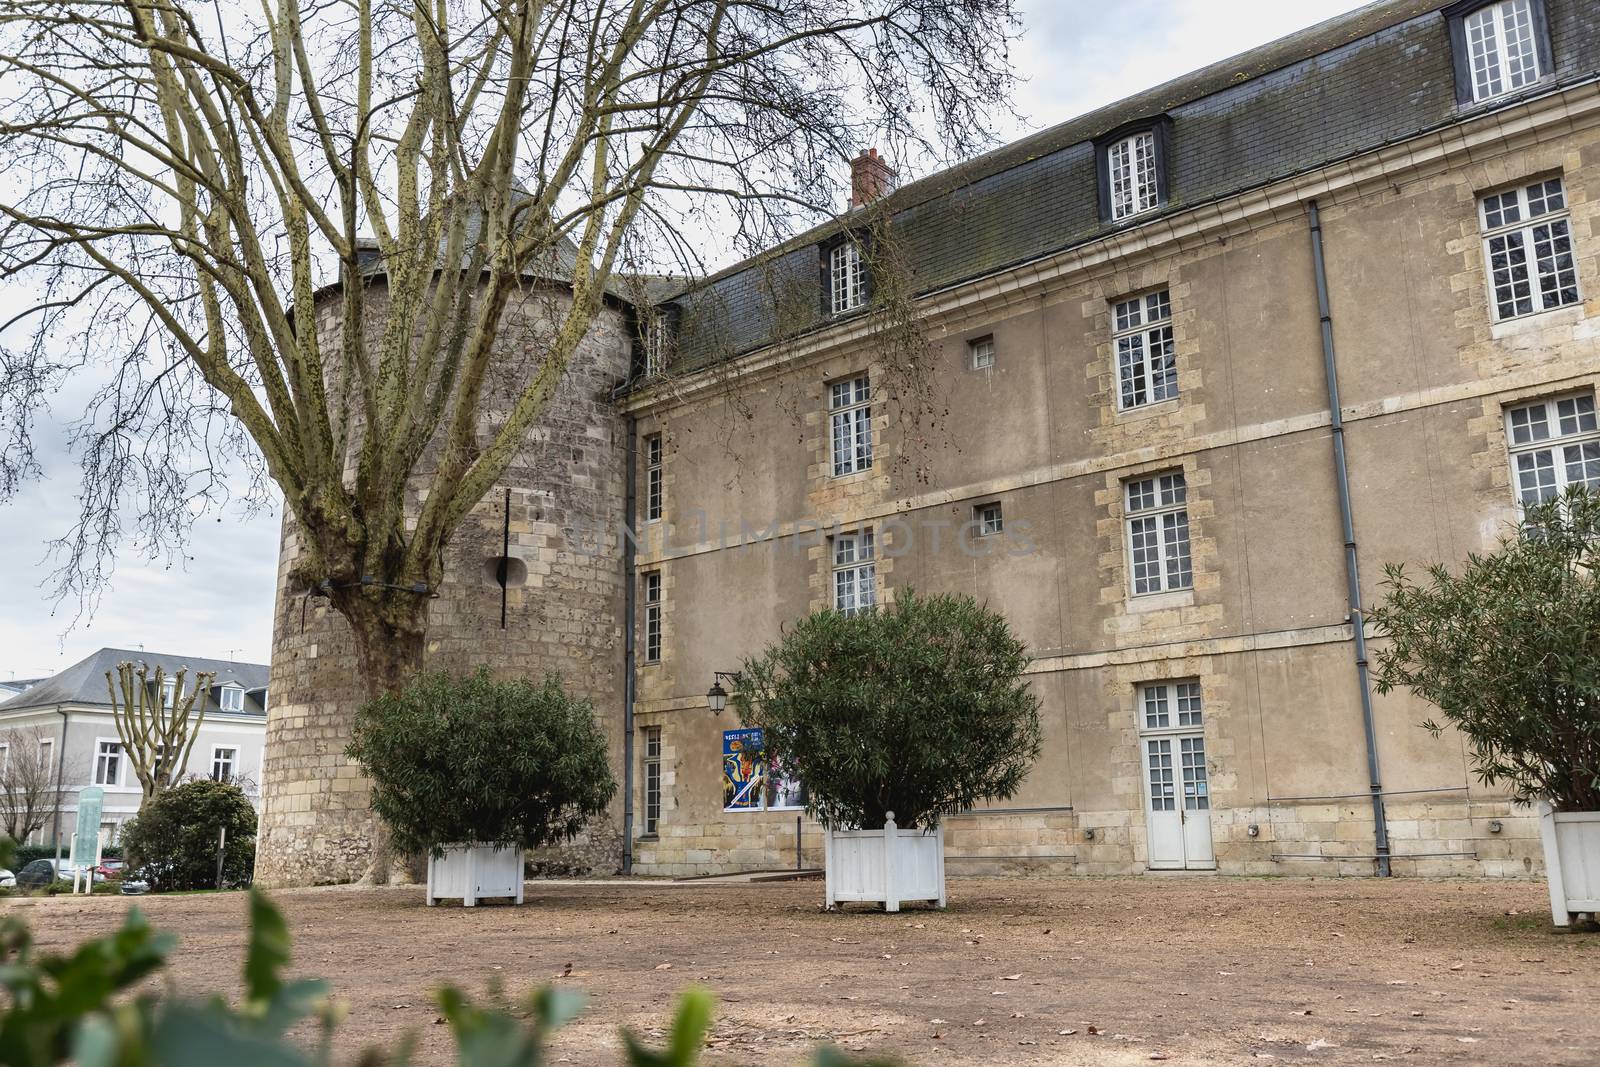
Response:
column 84, row 683
column 1380, row 74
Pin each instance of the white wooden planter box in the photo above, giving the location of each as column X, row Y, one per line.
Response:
column 885, row 866
column 1571, row 862
column 467, row 872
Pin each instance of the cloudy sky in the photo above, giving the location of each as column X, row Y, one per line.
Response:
column 1075, row 55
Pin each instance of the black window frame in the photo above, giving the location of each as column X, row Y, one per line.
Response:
column 1160, row 126
column 1461, row 62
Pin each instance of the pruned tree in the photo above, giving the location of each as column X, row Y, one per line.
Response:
column 157, row 726
column 183, row 182
column 28, row 781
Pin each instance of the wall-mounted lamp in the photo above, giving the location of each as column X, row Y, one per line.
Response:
column 716, row 696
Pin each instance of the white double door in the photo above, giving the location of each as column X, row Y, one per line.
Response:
column 1177, row 802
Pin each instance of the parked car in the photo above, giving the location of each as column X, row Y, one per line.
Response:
column 108, row 869
column 7, row 879
column 36, row 875
column 42, row 872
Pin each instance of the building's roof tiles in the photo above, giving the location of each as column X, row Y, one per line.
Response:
column 84, row 683
column 1377, row 75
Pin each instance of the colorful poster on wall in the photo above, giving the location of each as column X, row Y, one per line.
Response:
column 784, row 788
column 743, row 772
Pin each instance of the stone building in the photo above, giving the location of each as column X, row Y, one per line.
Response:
column 1185, row 372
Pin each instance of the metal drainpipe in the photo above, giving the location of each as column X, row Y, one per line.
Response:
column 61, row 773
column 629, row 505
column 1352, row 567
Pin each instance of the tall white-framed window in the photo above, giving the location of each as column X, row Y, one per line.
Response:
column 980, row 353
column 1158, row 533
column 847, row 277
column 224, row 762
column 854, row 572
column 1502, row 53
column 1147, row 372
column 5, row 758
column 1131, row 174
column 652, row 617
column 987, row 519
column 652, row 778
column 231, row 698
column 1553, row 443
column 169, row 692
column 47, row 748
column 850, row 422
column 1527, row 246
column 653, row 484
column 656, row 342
column 1171, row 717
column 107, row 762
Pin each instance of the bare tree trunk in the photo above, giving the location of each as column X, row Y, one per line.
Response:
column 390, row 632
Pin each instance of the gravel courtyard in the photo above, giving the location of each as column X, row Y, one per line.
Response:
column 1102, row 971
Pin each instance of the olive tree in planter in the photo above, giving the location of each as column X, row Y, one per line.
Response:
column 893, row 717
column 473, row 771
column 1508, row 649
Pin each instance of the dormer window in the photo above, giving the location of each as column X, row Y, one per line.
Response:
column 231, row 698
column 1499, row 47
column 1132, row 164
column 847, row 277
column 655, row 344
column 657, row 330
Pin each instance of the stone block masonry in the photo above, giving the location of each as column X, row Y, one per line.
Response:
column 564, row 615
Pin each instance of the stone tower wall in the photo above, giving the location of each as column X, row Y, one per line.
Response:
column 566, row 616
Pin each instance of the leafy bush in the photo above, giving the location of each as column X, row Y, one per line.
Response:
column 919, row 708
column 475, row 760
column 172, row 842
column 26, row 854
column 95, row 1009
column 1508, row 649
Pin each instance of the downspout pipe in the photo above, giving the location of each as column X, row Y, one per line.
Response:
column 629, row 596
column 61, row 774
column 1352, row 566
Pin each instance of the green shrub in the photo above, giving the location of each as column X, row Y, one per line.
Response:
column 475, row 760
column 919, row 708
column 172, row 842
column 26, row 854
column 62, row 887
column 1508, row 649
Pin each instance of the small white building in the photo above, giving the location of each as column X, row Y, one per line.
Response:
column 69, row 715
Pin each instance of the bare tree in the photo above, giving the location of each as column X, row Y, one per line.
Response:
column 28, row 792
column 180, row 183
column 157, row 725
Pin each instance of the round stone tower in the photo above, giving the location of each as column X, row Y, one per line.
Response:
column 555, row 518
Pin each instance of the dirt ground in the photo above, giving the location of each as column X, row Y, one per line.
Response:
column 1088, row 971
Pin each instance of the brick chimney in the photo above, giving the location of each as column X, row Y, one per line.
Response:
column 870, row 177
